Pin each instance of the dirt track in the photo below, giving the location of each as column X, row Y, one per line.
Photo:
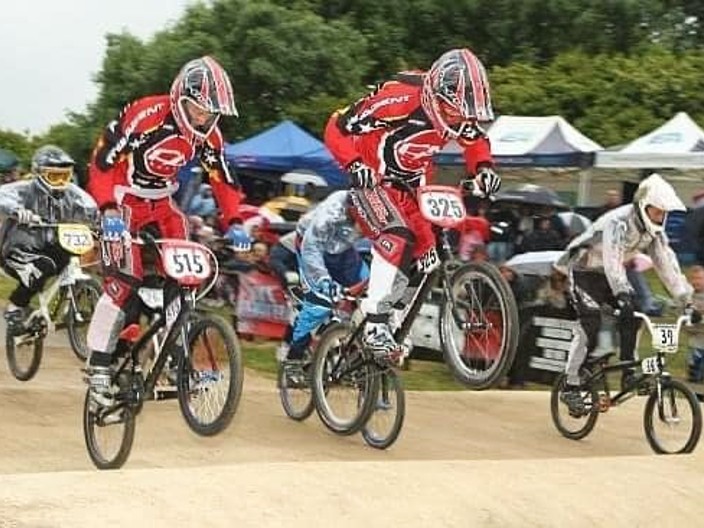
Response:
column 470, row 459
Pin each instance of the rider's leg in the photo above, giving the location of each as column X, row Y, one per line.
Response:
column 384, row 222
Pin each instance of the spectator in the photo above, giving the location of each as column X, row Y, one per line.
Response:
column 695, row 364
column 544, row 237
column 203, row 203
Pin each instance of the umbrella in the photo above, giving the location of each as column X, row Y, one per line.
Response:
column 529, row 194
column 534, row 262
column 7, row 160
column 575, row 222
column 304, row 177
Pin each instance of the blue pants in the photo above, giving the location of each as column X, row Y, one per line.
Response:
column 346, row 268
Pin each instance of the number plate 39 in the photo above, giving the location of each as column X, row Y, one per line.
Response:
column 665, row 338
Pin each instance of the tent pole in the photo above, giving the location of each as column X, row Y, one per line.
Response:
column 583, row 189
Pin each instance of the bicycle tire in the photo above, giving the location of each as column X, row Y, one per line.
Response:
column 20, row 372
column 592, row 405
column 467, row 371
column 389, row 381
column 294, row 409
column 235, row 375
column 90, row 422
column 93, row 289
column 669, row 388
column 363, row 377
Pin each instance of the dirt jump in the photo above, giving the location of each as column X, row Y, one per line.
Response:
column 488, row 458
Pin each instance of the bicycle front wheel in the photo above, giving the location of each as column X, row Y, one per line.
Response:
column 296, row 394
column 479, row 325
column 570, row 425
column 345, row 382
column 210, row 377
column 385, row 423
column 85, row 296
column 108, row 433
column 24, row 355
column 672, row 418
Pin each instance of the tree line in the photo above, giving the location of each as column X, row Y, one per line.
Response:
column 614, row 68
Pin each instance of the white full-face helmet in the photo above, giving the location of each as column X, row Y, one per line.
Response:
column 654, row 191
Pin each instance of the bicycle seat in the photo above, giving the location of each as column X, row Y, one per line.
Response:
column 593, row 360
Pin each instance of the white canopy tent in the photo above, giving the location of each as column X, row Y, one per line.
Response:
column 543, row 141
column 677, row 144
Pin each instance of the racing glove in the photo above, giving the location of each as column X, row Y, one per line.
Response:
column 238, row 238
column 26, row 216
column 695, row 315
column 626, row 306
column 362, row 175
column 489, row 182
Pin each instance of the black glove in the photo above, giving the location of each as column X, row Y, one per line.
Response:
column 695, row 315
column 625, row 305
column 363, row 176
column 489, row 182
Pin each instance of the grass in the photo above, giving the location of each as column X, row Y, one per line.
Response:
column 421, row 375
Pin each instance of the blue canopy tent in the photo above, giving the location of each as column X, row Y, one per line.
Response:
column 283, row 148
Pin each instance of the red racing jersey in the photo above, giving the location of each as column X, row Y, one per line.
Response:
column 389, row 131
column 142, row 151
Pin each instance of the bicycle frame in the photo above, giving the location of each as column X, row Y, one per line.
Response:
column 599, row 376
column 71, row 274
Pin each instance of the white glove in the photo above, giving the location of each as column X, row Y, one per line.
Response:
column 489, row 181
column 25, row 216
column 363, row 176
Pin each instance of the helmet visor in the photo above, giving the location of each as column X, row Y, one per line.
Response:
column 57, row 177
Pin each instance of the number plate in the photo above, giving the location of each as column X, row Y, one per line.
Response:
column 75, row 238
column 187, row 262
column 428, row 261
column 442, row 205
column 665, row 338
column 171, row 311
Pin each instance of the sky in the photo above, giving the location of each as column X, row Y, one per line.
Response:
column 50, row 51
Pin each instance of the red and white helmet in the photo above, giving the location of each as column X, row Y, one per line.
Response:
column 456, row 91
column 205, row 84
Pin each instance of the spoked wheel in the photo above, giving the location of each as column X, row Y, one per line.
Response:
column 573, row 426
column 344, row 381
column 672, row 418
column 85, row 296
column 24, row 354
column 296, row 393
column 108, row 432
column 210, row 378
column 479, row 337
column 385, row 423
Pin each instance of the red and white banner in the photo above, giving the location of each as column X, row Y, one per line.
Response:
column 262, row 308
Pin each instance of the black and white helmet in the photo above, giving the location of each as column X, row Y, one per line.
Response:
column 52, row 168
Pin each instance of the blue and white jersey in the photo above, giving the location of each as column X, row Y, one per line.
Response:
column 328, row 229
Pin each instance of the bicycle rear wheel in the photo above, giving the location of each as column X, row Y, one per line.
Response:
column 108, row 433
column 24, row 355
column 345, row 382
column 574, row 427
column 672, row 418
column 480, row 348
column 385, row 423
column 210, row 378
column 85, row 296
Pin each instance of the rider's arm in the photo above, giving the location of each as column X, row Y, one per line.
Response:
column 223, row 182
column 613, row 252
column 477, row 149
column 109, row 162
column 14, row 196
column 668, row 269
column 372, row 113
column 312, row 250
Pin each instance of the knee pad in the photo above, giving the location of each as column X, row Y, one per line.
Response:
column 396, row 247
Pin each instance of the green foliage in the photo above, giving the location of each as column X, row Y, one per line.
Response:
column 615, row 68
